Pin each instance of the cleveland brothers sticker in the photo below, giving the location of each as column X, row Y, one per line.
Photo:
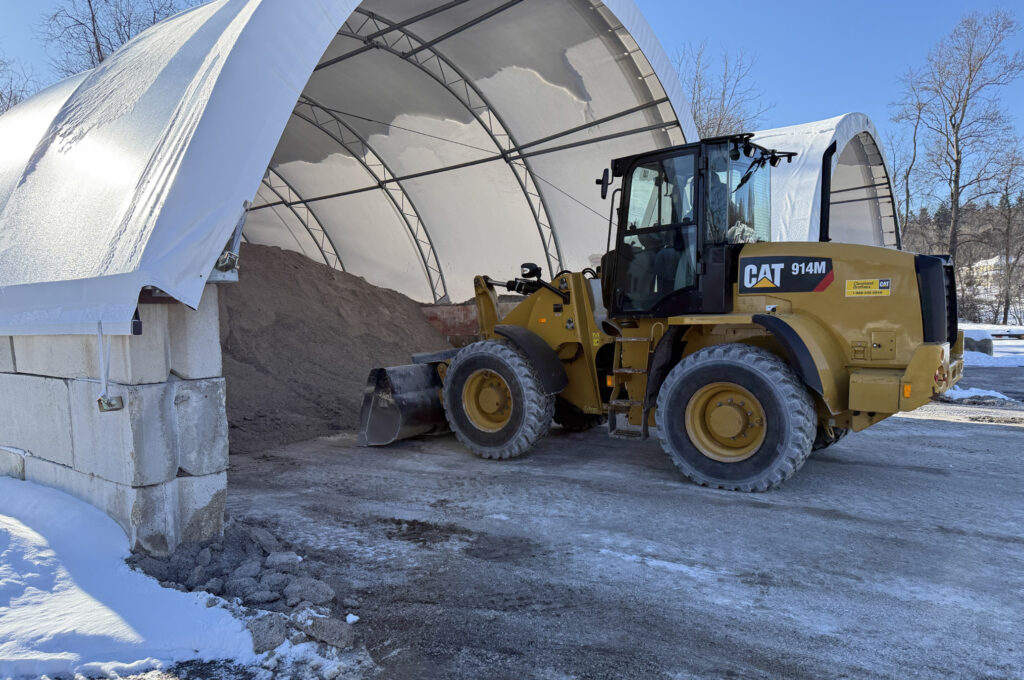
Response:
column 869, row 288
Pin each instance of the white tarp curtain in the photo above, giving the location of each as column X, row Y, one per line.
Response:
column 861, row 201
column 136, row 174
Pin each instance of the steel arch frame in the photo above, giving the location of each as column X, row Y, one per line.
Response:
column 381, row 172
column 325, row 244
column 431, row 61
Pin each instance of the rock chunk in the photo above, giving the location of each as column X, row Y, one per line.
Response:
column 265, row 539
column 248, row 569
column 197, row 578
column 241, row 587
column 330, row 631
column 275, row 580
column 262, row 596
column 309, row 590
column 283, row 561
column 214, row 586
column 268, row 632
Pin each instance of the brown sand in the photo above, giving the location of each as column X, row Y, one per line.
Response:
column 299, row 341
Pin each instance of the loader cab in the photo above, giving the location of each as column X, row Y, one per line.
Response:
column 684, row 215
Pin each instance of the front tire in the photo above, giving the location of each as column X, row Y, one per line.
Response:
column 494, row 401
column 736, row 417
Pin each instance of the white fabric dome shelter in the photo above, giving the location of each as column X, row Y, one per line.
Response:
column 840, row 157
column 412, row 142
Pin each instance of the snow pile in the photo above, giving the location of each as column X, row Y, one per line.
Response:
column 958, row 394
column 977, row 334
column 70, row 604
column 1000, row 360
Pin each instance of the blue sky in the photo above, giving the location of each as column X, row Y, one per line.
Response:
column 815, row 58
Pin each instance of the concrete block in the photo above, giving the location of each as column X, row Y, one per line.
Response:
column 157, row 518
column 35, row 416
column 7, row 364
column 195, row 338
column 201, row 426
column 136, row 446
column 163, row 428
column 134, row 360
column 12, row 463
column 201, row 505
column 116, row 500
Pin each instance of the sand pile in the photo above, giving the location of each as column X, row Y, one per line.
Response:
column 299, row 340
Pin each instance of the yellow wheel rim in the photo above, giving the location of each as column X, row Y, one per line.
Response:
column 487, row 400
column 725, row 422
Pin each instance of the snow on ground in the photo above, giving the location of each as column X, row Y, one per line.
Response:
column 1004, row 357
column 958, row 393
column 69, row 603
column 966, row 326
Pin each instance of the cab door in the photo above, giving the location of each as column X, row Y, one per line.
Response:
column 654, row 265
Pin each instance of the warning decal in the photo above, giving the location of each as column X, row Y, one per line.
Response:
column 869, row 288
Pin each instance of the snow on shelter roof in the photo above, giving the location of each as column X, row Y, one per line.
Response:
column 861, row 205
column 333, row 118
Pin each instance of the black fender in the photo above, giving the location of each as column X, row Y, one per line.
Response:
column 795, row 348
column 542, row 357
column 666, row 355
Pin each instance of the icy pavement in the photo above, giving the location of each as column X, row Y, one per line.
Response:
column 69, row 603
column 895, row 553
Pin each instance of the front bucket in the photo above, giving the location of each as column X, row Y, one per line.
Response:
column 401, row 402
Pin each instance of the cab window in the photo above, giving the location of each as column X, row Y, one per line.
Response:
column 659, row 242
column 738, row 198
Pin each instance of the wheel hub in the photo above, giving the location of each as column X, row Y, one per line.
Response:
column 487, row 400
column 726, row 422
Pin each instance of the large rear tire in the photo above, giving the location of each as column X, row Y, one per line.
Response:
column 494, row 401
column 736, row 417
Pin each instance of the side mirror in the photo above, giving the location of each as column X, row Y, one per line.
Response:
column 604, row 182
column 531, row 271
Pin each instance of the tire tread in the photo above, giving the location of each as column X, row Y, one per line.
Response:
column 795, row 395
column 539, row 408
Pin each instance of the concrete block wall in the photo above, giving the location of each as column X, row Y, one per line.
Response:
column 158, row 467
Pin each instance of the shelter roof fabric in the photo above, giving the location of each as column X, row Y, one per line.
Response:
column 862, row 208
column 136, row 174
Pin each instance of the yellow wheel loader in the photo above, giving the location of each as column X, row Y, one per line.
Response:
column 740, row 355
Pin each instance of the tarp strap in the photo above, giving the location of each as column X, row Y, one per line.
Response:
column 104, row 349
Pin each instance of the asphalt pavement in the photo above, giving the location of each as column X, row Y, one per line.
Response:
column 897, row 553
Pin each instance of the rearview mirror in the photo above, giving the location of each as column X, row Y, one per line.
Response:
column 604, row 182
column 531, row 271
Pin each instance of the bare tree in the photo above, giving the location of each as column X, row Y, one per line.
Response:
column 724, row 100
column 904, row 151
column 15, row 84
column 83, row 33
column 958, row 92
column 1009, row 227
